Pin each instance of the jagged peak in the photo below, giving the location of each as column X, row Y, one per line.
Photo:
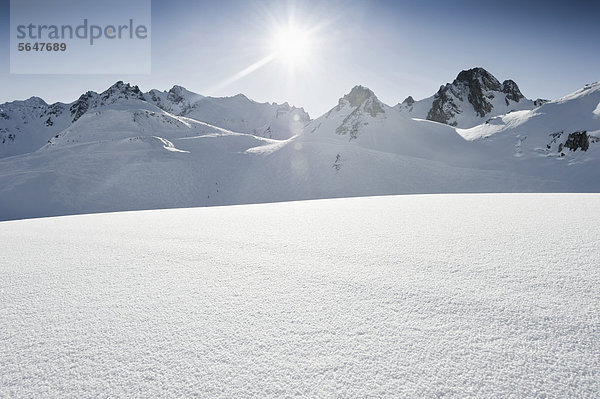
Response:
column 362, row 99
column 182, row 91
column 120, row 85
column 469, row 74
column 122, row 88
column 117, row 84
column 241, row 96
column 285, row 106
column 509, row 83
column 358, row 95
column 512, row 90
column 179, row 94
column 477, row 86
column 408, row 101
column 177, row 89
column 478, row 77
column 87, row 94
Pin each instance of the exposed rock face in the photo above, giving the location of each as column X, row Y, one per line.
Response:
column 478, row 81
column 443, row 107
column 176, row 94
column 577, row 140
column 475, row 86
column 178, row 100
column 82, row 105
column 512, row 91
column 365, row 104
column 111, row 95
column 121, row 90
column 360, row 96
column 408, row 101
column 539, row 102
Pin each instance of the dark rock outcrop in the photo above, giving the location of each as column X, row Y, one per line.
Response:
column 510, row 88
column 408, row 101
column 476, row 86
column 82, row 105
column 478, row 81
column 577, row 140
column 121, row 90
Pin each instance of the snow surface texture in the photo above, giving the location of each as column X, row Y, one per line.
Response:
column 412, row 296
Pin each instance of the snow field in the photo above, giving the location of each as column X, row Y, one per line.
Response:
column 403, row 296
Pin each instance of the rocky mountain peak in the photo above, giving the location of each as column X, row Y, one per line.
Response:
column 477, row 87
column 176, row 94
column 242, row 98
column 178, row 89
column 34, row 102
column 478, row 79
column 362, row 104
column 179, row 93
column 408, row 101
column 122, row 90
column 81, row 106
column 512, row 91
column 91, row 99
column 361, row 99
column 358, row 95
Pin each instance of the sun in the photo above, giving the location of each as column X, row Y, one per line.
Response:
column 292, row 45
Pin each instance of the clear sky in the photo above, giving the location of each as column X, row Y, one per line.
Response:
column 396, row 48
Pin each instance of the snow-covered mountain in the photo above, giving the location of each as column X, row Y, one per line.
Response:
column 26, row 126
column 561, row 137
column 122, row 158
column 362, row 120
column 123, row 150
column 472, row 98
column 237, row 113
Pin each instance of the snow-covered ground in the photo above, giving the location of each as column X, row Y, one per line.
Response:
column 406, row 296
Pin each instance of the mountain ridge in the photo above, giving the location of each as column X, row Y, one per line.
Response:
column 27, row 125
column 126, row 153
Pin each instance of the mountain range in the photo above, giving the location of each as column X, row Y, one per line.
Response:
column 124, row 149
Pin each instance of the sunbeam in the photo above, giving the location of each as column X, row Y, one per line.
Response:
column 244, row 72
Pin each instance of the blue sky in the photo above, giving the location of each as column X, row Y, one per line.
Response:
column 396, row 48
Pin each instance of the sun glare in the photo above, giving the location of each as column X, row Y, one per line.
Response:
column 291, row 45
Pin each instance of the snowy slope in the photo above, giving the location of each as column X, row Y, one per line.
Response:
column 562, row 137
column 126, row 155
column 130, row 154
column 472, row 98
column 578, row 111
column 362, row 120
column 220, row 168
column 448, row 296
column 123, row 152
